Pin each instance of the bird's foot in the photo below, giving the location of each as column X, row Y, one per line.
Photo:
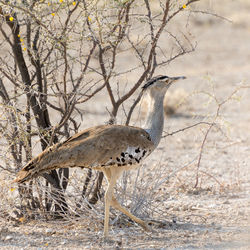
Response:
column 108, row 238
column 145, row 226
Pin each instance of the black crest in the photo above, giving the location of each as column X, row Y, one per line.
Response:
column 153, row 80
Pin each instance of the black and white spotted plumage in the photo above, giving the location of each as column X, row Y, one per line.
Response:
column 131, row 156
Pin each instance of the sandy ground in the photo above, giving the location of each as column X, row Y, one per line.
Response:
column 215, row 215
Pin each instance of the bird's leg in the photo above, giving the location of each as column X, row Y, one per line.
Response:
column 115, row 174
column 108, row 197
column 112, row 177
column 115, row 204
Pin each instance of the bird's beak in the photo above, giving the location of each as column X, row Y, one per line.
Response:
column 173, row 79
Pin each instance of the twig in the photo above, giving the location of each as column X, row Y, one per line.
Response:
column 200, row 154
column 133, row 107
column 7, row 169
column 211, row 14
column 191, row 126
column 40, row 201
column 211, row 176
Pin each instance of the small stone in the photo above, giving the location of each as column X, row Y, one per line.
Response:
column 176, row 208
column 185, row 207
column 212, row 206
column 240, row 213
column 8, row 237
column 63, row 242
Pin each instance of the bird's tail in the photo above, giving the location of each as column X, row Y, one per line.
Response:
column 26, row 173
column 22, row 176
column 41, row 163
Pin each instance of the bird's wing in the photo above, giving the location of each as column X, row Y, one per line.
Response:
column 105, row 144
column 96, row 147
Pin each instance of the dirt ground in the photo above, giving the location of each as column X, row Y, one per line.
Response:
column 216, row 214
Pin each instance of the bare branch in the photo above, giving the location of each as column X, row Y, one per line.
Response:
column 188, row 127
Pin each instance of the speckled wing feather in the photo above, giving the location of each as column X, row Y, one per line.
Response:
column 97, row 147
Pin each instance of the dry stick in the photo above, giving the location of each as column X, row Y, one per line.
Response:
column 65, row 73
column 9, row 76
column 133, row 107
column 191, row 126
column 210, row 127
column 96, row 192
column 181, row 9
column 211, row 14
column 86, row 183
column 7, row 169
column 200, row 154
column 86, row 65
column 150, row 21
column 91, row 95
column 176, row 171
column 201, row 149
column 13, row 118
column 211, row 176
column 41, row 202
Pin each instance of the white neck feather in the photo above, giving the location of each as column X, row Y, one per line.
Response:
column 155, row 117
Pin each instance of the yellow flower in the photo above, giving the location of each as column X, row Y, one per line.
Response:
column 60, row 1
column 21, row 40
column 49, row 3
column 18, row 35
column 74, row 3
column 89, row 19
column 24, row 49
column 22, row 219
column 53, row 14
column 184, row 6
column 12, row 189
column 46, row 244
column 11, row 18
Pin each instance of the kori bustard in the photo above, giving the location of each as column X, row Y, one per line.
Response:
column 111, row 149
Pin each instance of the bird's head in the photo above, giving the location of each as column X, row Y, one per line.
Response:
column 160, row 83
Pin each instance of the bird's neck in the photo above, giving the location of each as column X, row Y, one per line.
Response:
column 155, row 118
